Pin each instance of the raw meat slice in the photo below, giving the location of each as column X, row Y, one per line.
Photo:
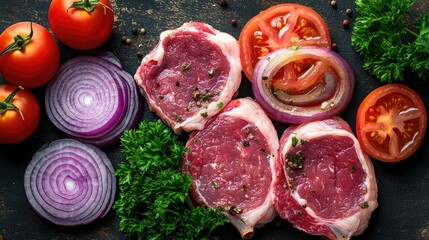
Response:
column 326, row 184
column 232, row 163
column 190, row 75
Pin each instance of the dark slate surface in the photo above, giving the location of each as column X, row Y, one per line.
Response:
column 403, row 187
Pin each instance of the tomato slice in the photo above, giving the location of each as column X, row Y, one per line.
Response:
column 281, row 26
column 391, row 122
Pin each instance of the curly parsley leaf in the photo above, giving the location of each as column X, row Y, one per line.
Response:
column 154, row 202
column 381, row 35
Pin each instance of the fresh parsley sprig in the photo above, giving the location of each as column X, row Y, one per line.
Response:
column 154, row 202
column 387, row 43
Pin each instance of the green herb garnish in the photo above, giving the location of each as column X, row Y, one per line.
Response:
column 186, row 66
column 389, row 46
column 296, row 160
column 154, row 202
column 364, row 204
column 294, row 141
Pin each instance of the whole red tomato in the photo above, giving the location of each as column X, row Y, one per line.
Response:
column 30, row 55
column 19, row 114
column 82, row 25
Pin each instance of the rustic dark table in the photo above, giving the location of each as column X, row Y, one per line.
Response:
column 403, row 187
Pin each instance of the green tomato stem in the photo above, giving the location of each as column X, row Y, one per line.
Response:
column 19, row 43
column 7, row 104
column 88, row 5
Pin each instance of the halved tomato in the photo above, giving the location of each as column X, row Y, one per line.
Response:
column 391, row 122
column 280, row 26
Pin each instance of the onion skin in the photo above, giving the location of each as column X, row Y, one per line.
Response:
column 93, row 100
column 321, row 107
column 69, row 183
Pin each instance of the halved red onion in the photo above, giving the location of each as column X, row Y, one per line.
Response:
column 329, row 84
column 70, row 183
column 93, row 99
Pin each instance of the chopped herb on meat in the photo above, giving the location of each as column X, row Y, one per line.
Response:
column 294, row 141
column 364, row 204
column 186, row 66
column 204, row 114
column 178, row 118
column 296, row 160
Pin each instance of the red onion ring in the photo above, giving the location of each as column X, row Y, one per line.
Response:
column 329, row 97
column 69, row 183
column 93, row 99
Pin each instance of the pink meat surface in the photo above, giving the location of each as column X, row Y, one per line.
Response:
column 326, row 184
column 192, row 72
column 232, row 162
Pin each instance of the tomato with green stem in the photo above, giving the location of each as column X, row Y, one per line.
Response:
column 83, row 24
column 281, row 26
column 29, row 56
column 19, row 114
column 391, row 122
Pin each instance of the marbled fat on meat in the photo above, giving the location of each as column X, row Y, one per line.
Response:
column 332, row 191
column 192, row 72
column 232, row 162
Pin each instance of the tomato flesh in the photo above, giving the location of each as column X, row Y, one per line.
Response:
column 280, row 26
column 300, row 76
column 391, row 123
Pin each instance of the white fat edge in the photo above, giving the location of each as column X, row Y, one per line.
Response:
column 251, row 217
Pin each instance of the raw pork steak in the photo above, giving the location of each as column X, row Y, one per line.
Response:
column 232, row 162
column 190, row 75
column 326, row 184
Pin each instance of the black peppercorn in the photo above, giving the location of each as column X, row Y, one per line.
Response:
column 334, row 46
column 349, row 12
column 139, row 54
column 223, row 3
column 123, row 38
column 134, row 31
